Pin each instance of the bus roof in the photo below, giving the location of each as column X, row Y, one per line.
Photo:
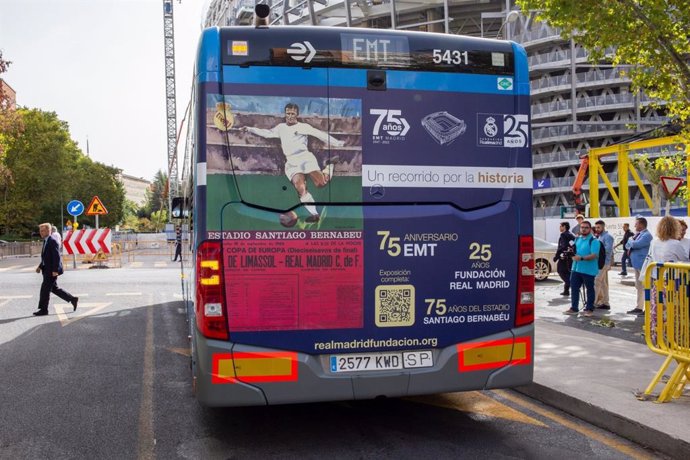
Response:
column 355, row 47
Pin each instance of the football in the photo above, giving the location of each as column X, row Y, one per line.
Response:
column 289, row 219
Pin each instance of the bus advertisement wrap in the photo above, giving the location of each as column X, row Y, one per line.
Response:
column 326, row 269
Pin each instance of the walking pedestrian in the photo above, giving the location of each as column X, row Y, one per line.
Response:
column 626, row 256
column 51, row 268
column 601, row 282
column 178, row 244
column 564, row 256
column 584, row 270
column 638, row 247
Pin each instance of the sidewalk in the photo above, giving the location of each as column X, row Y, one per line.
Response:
column 594, row 377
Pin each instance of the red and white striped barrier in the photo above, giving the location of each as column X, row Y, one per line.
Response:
column 82, row 241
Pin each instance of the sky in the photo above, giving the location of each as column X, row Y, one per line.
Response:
column 100, row 65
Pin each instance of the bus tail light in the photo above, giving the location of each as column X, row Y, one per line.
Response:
column 524, row 310
column 210, row 311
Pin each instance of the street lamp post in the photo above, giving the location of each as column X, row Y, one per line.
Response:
column 507, row 17
column 511, row 17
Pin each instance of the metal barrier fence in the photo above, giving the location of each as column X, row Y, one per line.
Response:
column 127, row 248
column 160, row 250
column 98, row 260
column 667, row 324
column 20, row 249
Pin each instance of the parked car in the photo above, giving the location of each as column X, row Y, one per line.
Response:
column 544, row 252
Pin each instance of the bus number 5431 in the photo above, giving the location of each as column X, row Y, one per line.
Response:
column 450, row 57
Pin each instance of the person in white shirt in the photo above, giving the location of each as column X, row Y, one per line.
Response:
column 684, row 241
column 664, row 248
column 300, row 162
column 54, row 234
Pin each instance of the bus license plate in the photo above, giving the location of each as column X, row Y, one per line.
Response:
column 381, row 361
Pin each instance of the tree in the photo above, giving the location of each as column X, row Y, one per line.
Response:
column 670, row 164
column 10, row 125
column 97, row 179
column 159, row 219
column 649, row 35
column 48, row 170
column 9, row 120
column 41, row 168
column 156, row 195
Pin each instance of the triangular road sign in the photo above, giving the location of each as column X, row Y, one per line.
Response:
column 96, row 208
column 671, row 184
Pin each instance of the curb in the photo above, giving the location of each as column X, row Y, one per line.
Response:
column 630, row 429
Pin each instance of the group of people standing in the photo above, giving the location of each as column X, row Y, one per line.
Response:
column 578, row 260
column 578, row 264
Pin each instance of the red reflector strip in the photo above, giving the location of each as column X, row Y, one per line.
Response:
column 254, row 367
column 493, row 354
column 524, row 302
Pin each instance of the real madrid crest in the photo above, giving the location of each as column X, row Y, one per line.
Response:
column 490, row 128
column 223, row 119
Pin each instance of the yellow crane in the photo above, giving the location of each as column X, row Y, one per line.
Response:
column 625, row 170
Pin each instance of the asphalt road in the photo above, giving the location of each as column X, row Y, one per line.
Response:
column 112, row 380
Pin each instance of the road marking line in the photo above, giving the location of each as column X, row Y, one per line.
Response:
column 11, row 267
column 28, row 269
column 160, row 264
column 4, row 302
column 476, row 403
column 11, row 297
column 111, row 294
column 622, row 447
column 146, row 440
column 136, row 264
column 85, row 309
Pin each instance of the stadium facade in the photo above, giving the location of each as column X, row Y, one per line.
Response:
column 575, row 105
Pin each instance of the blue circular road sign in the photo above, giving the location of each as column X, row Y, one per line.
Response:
column 75, row 208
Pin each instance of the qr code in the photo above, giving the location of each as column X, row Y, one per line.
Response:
column 395, row 305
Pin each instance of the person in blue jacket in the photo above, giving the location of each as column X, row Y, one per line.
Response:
column 585, row 269
column 638, row 247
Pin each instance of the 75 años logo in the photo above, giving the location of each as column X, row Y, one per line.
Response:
column 389, row 125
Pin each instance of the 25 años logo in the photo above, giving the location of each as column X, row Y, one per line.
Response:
column 513, row 132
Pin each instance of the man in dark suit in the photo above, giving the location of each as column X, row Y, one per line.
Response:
column 178, row 245
column 51, row 268
column 564, row 256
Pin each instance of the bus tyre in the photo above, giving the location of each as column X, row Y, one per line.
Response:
column 289, row 219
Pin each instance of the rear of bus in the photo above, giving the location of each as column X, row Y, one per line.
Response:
column 362, row 215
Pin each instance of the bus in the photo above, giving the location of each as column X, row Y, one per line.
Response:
column 360, row 210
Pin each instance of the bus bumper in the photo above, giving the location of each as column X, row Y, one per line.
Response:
column 462, row 367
